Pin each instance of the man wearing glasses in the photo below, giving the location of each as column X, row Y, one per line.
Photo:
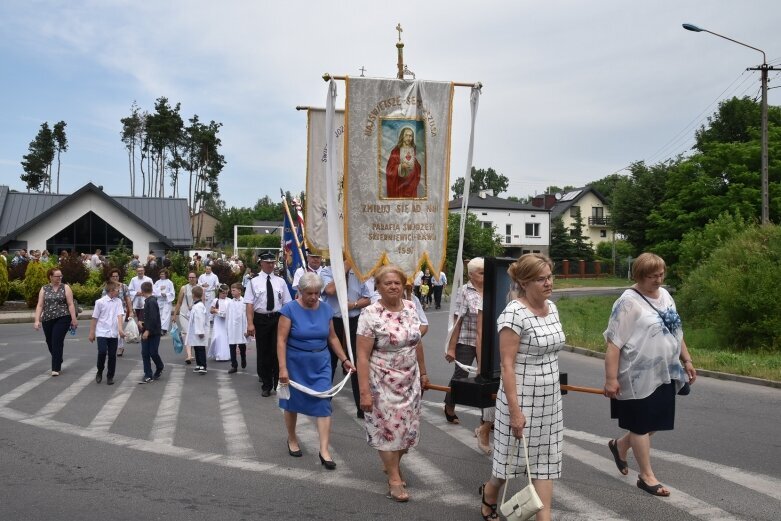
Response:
column 182, row 312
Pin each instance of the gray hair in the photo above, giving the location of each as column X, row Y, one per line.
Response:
column 475, row 264
column 309, row 282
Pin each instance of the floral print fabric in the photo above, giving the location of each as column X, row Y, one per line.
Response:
column 394, row 377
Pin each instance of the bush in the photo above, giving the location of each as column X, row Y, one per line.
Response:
column 16, row 289
column 697, row 245
column 96, row 278
column 85, row 294
column 178, row 281
column 180, row 264
column 73, row 270
column 120, row 256
column 34, row 280
column 4, row 283
column 224, row 272
column 735, row 290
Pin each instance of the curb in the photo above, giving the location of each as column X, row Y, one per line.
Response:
column 700, row 372
column 23, row 317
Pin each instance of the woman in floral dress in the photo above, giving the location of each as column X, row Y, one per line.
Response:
column 391, row 375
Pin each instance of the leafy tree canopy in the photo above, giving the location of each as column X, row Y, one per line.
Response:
column 482, row 179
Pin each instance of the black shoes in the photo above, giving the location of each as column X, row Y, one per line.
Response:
column 295, row 453
column 232, row 370
column 243, row 363
column 109, row 381
column 99, row 377
column 360, row 414
column 146, row 380
column 266, row 393
column 157, row 374
column 328, row 464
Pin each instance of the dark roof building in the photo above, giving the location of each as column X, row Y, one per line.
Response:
column 89, row 219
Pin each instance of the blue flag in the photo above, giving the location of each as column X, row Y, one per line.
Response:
column 293, row 258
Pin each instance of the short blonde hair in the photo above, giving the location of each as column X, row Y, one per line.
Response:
column 527, row 268
column 386, row 270
column 475, row 264
column 646, row 264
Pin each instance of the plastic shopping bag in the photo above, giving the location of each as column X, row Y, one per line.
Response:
column 132, row 335
column 176, row 336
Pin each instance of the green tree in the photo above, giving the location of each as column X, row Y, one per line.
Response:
column 60, row 145
column 478, row 241
column 38, row 161
column 581, row 243
column 734, row 121
column 561, row 244
column 132, row 136
column 698, row 244
column 607, row 185
column 634, row 198
column 482, row 179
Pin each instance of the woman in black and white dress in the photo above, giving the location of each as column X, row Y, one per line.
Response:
column 529, row 397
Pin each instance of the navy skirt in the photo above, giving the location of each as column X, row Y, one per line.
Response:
column 653, row 413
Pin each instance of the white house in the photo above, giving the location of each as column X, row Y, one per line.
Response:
column 523, row 228
column 89, row 219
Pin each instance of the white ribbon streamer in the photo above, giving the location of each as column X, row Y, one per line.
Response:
column 458, row 273
column 330, row 393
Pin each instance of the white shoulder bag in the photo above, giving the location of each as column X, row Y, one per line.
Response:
column 526, row 503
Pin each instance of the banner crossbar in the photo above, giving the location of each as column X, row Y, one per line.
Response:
column 479, row 85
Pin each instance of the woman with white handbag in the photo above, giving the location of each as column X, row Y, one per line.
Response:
column 528, row 403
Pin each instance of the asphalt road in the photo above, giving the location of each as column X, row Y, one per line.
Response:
column 209, row 447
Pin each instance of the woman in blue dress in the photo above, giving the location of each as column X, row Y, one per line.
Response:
column 304, row 333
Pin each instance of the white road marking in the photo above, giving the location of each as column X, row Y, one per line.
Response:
column 689, row 504
column 164, row 425
column 762, row 483
column 237, row 439
column 62, row 399
column 103, row 421
column 21, row 367
column 28, row 386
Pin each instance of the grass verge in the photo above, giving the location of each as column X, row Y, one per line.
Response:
column 602, row 282
column 585, row 319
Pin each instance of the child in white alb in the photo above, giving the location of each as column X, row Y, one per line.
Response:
column 198, row 329
column 236, row 324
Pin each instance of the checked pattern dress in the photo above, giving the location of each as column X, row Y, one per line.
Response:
column 537, row 387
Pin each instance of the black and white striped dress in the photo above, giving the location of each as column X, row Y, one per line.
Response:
column 539, row 395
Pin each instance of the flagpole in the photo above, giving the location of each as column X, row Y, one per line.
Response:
column 295, row 233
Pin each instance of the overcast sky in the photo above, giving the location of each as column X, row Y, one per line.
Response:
column 573, row 91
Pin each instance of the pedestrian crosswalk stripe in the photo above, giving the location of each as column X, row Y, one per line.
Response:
column 21, row 367
column 109, row 413
column 237, row 438
column 62, row 398
column 28, row 386
column 164, row 425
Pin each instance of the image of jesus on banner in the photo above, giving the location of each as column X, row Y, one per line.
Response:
column 403, row 154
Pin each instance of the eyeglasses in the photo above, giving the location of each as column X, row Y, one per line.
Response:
column 56, row 276
column 543, row 280
column 190, row 277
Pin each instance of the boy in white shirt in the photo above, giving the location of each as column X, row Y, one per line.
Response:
column 108, row 318
column 236, row 324
column 197, row 330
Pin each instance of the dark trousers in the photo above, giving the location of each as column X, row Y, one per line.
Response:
column 464, row 354
column 149, row 354
column 339, row 329
column 139, row 314
column 266, row 343
column 55, row 330
column 437, row 296
column 243, row 350
column 107, row 346
column 200, row 356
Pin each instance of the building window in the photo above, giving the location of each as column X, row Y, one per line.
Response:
column 597, row 211
column 603, row 233
column 209, row 240
column 532, row 229
column 488, row 225
column 508, row 230
column 574, row 211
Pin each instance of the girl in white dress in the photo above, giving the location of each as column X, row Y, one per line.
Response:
column 236, row 325
column 218, row 348
column 163, row 289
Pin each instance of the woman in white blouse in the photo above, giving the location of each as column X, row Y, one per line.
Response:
column 646, row 364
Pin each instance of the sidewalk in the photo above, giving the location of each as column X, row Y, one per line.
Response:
column 20, row 317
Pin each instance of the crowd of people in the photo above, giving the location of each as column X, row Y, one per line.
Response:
column 302, row 342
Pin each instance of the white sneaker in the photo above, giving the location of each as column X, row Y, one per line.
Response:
column 55, row 373
column 197, row 369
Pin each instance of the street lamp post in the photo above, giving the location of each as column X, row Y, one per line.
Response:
column 763, row 69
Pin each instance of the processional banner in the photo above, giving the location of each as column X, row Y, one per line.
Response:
column 316, row 157
column 396, row 173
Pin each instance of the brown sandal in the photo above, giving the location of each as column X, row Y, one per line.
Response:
column 397, row 493
column 492, row 514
